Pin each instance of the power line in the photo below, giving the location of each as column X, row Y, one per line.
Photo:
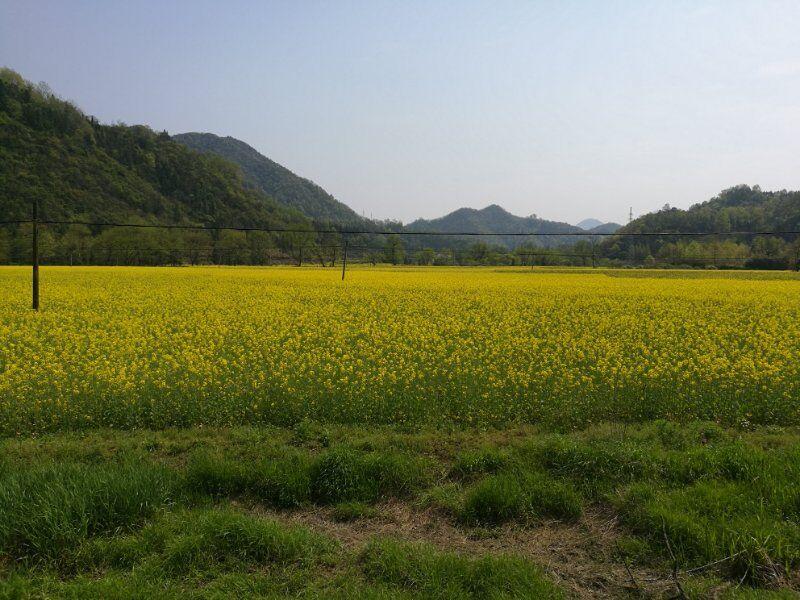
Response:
column 406, row 233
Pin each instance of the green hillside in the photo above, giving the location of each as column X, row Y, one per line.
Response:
column 737, row 209
column 79, row 169
column 273, row 179
column 495, row 219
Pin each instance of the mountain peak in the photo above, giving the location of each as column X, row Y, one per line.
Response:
column 494, row 219
column 272, row 178
column 588, row 224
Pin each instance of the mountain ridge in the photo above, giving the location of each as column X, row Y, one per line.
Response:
column 272, row 178
column 494, row 219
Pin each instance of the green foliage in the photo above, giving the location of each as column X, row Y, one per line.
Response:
column 709, row 521
column 273, row 179
column 75, row 521
column 596, row 466
column 78, row 169
column 478, row 462
column 432, row 574
column 46, row 512
column 520, row 496
column 188, row 541
column 336, row 476
column 281, row 482
column 447, row 498
column 343, row 475
column 740, row 208
column 492, row 219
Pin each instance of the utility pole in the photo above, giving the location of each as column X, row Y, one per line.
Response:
column 35, row 260
column 344, row 259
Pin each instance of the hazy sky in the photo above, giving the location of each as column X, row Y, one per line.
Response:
column 407, row 109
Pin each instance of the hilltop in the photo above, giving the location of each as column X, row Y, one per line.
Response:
column 79, row 169
column 495, row 219
column 273, row 179
column 738, row 209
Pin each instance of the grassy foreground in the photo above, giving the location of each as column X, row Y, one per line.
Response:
column 347, row 512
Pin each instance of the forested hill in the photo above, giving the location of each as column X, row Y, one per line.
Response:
column 740, row 208
column 495, row 219
column 79, row 169
column 737, row 209
column 273, row 179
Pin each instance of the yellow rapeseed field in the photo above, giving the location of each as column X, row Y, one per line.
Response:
column 139, row 347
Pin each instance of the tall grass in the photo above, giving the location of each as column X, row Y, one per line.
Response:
column 47, row 511
column 429, row 573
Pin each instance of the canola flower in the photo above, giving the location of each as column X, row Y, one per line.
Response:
column 160, row 347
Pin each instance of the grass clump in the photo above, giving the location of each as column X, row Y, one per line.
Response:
column 335, row 476
column 422, row 570
column 281, row 482
column 206, row 539
column 711, row 521
column 596, row 466
column 501, row 498
column 46, row 512
column 479, row 462
column 221, row 537
column 447, row 498
column 345, row 475
column 730, row 461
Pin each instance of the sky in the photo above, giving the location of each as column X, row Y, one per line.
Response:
column 562, row 109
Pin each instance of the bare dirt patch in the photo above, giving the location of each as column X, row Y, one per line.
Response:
column 578, row 557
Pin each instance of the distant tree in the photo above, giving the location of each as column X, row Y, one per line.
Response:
column 768, row 246
column 231, row 248
column 260, row 244
column 425, row 256
column 75, row 243
column 394, row 252
column 5, row 247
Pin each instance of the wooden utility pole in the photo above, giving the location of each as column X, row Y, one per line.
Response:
column 35, row 258
column 344, row 258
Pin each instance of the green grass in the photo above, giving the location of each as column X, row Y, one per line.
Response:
column 348, row 475
column 471, row 463
column 46, row 511
column 282, row 482
column 180, row 513
column 332, row 477
column 501, row 498
column 432, row 574
column 203, row 540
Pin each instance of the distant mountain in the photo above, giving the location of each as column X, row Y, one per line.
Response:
column 79, row 169
column 588, row 224
column 597, row 226
column 495, row 219
column 741, row 208
column 605, row 228
column 273, row 179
